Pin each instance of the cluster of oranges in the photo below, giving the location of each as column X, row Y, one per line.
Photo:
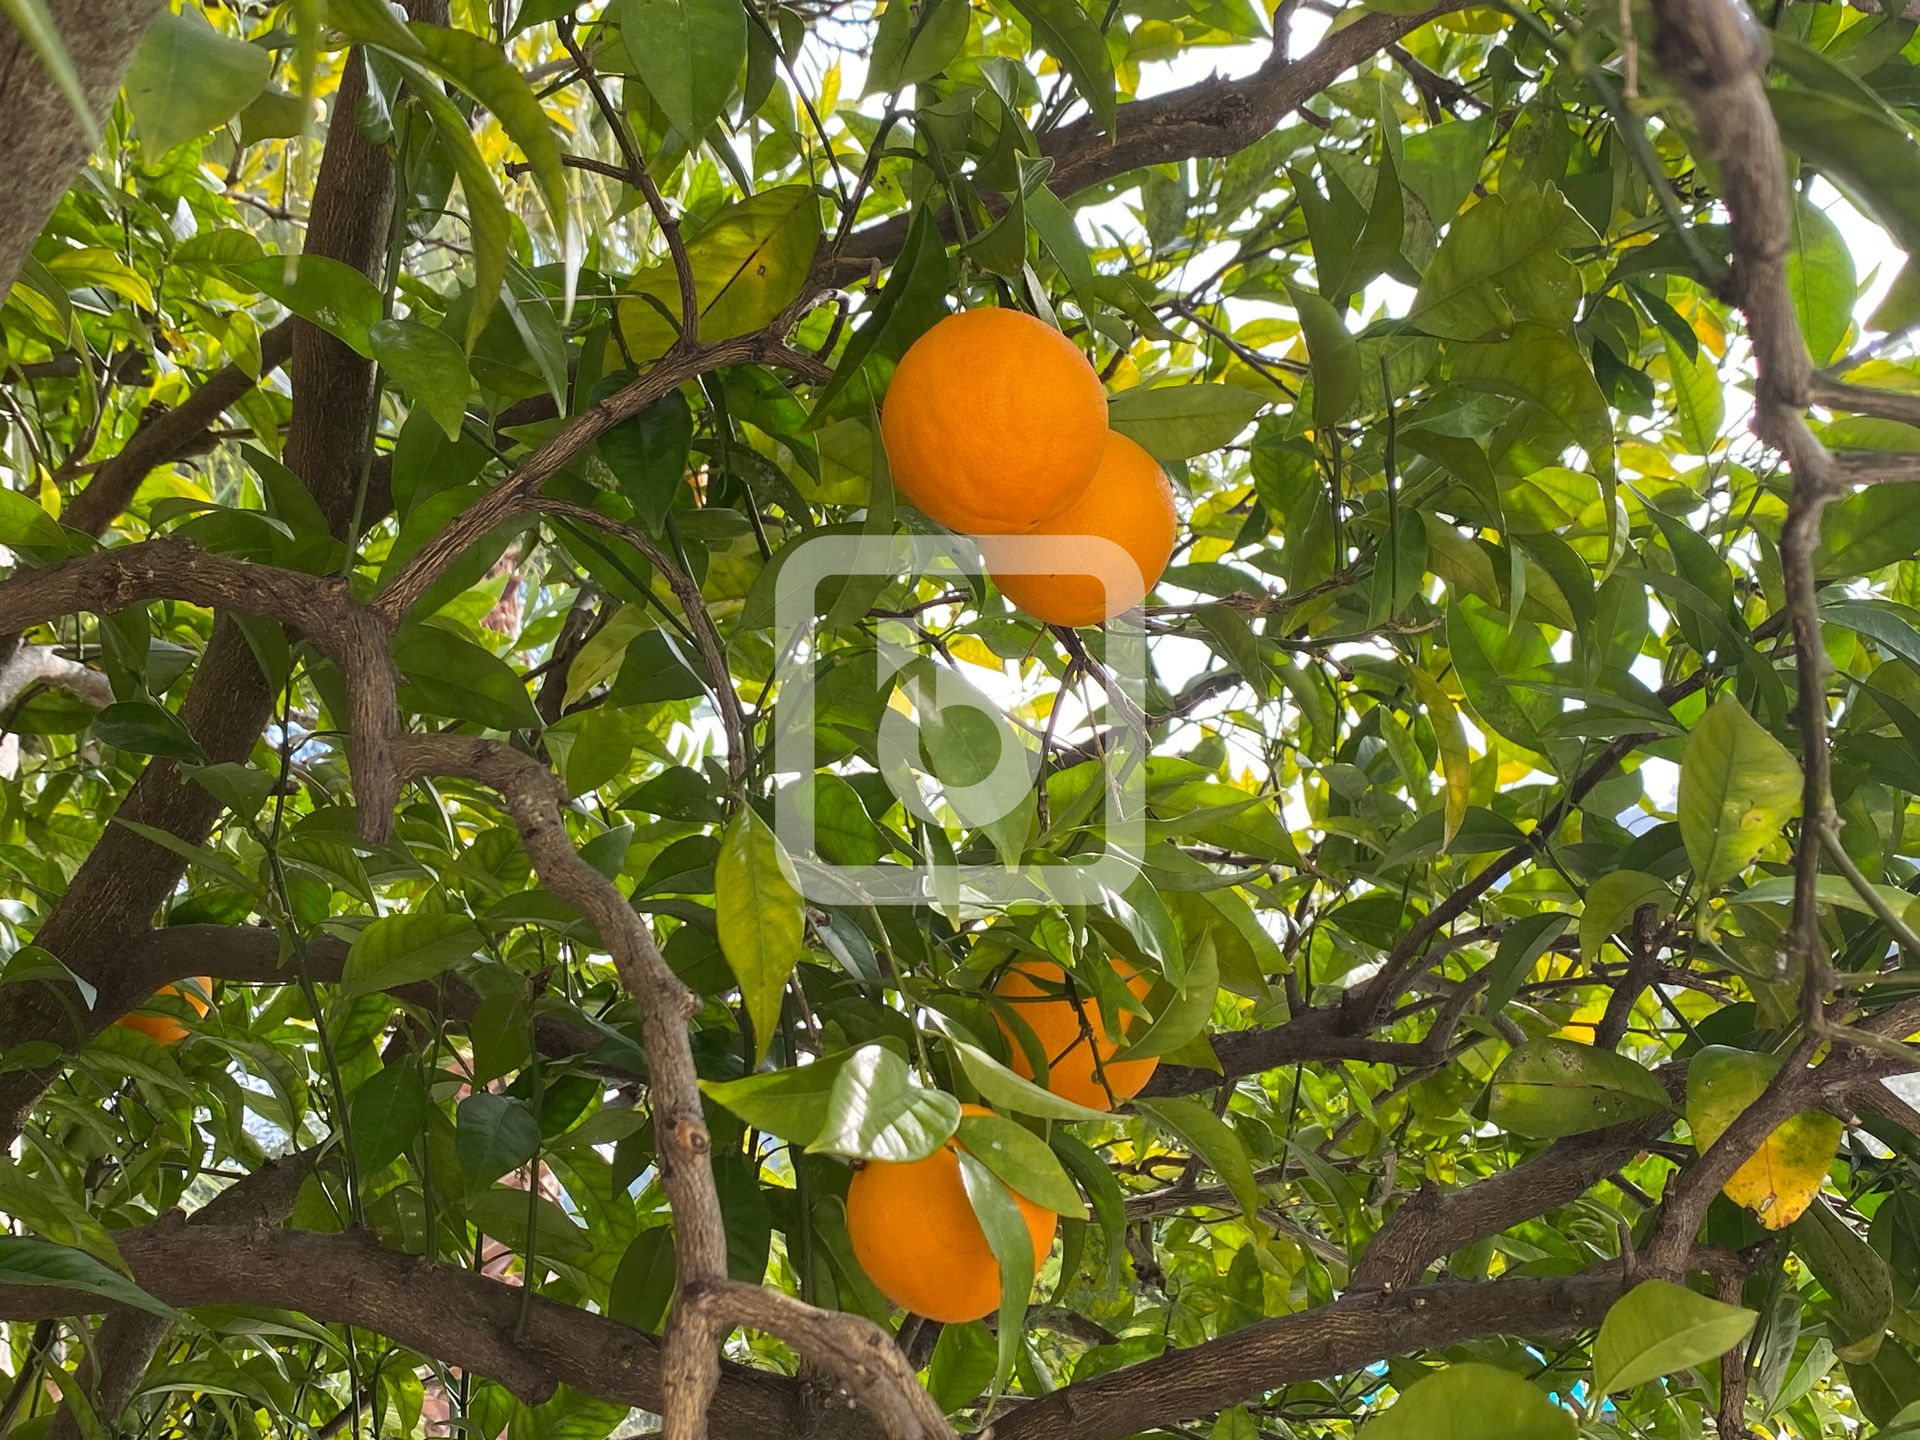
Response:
column 996, row 426
column 913, row 1229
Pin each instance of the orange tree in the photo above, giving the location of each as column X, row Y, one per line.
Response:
column 567, row 825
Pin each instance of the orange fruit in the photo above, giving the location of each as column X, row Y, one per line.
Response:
column 1129, row 504
column 994, row 422
column 166, row 1029
column 1037, row 989
column 915, row 1234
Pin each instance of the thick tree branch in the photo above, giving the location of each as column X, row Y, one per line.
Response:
column 46, row 141
column 1213, row 117
column 1716, row 52
column 1433, row 1222
column 1347, row 1335
column 453, row 1314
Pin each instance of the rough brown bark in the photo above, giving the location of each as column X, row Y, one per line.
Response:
column 45, row 142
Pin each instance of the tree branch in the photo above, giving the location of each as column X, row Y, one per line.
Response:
column 170, row 435
column 1347, row 1335
column 453, row 1314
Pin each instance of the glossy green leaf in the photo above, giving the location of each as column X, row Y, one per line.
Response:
column 494, row 1134
column 1334, row 355
column 757, row 905
column 399, row 949
column 688, row 53
column 1176, row 422
column 446, row 674
column 1212, row 1140
column 1070, row 35
column 1022, row 1161
column 1472, row 1401
column 27, row 1261
column 1658, row 1328
column 748, row 261
column 1501, row 262
column 428, row 366
column 876, row 1111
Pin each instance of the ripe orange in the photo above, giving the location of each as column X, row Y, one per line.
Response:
column 166, row 1029
column 915, row 1234
column 1038, row 991
column 1129, row 504
column 994, row 422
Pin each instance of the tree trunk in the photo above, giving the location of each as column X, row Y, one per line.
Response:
column 44, row 140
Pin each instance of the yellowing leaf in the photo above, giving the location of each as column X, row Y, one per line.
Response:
column 973, row 650
column 747, row 261
column 1780, row 1179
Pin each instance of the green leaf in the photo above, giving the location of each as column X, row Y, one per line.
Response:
column 1500, row 667
column 688, row 53
column 1869, row 529
column 336, row 297
column 1022, row 1160
column 1657, row 1328
column 188, row 77
column 648, row 456
column 1456, row 761
column 748, row 261
column 760, row 919
column 1858, row 1283
column 388, row 1112
column 487, row 220
column 1000, row 1086
column 1333, row 353
column 643, row 1284
column 1613, row 900
column 144, row 728
column 876, row 1111
column 913, row 299
column 1177, row 422
column 789, row 1103
column 1821, row 280
column 25, row 524
column 1550, row 1087
column 1471, row 1402
column 483, row 70
column 1069, row 34
column 428, row 366
column 1501, row 262
column 374, row 22
column 1012, row 1245
column 1699, row 403
column 1738, row 786
column 1542, row 366
column 493, row 1134
column 448, row 675
column 1214, row 1141
column 1867, row 154
column 401, row 948
column 26, row 1261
